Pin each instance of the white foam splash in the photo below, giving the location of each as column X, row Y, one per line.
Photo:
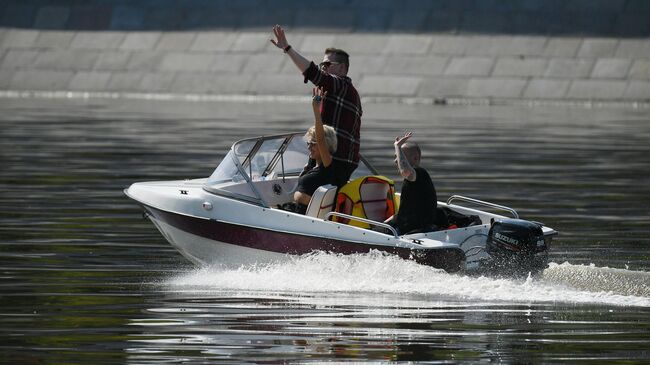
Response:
column 379, row 273
column 594, row 279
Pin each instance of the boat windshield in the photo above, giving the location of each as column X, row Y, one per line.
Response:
column 262, row 158
column 266, row 158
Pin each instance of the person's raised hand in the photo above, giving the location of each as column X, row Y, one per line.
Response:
column 400, row 140
column 280, row 40
column 318, row 94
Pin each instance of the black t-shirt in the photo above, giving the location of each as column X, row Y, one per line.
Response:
column 418, row 203
column 319, row 175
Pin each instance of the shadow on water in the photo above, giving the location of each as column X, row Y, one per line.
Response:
column 85, row 279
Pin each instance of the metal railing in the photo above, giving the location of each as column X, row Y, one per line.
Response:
column 364, row 220
column 483, row 203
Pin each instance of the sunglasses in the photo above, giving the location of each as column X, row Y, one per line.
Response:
column 311, row 144
column 325, row 64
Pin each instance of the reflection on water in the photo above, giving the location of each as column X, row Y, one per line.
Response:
column 260, row 325
column 85, row 280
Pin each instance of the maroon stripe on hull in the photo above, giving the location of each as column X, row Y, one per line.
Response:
column 448, row 259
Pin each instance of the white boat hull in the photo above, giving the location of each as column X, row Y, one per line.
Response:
column 207, row 252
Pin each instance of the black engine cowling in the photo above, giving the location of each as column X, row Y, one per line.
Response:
column 516, row 247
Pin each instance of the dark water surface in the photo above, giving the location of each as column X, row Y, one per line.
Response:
column 85, row 280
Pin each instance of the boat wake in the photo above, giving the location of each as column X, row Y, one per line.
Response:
column 380, row 273
column 599, row 279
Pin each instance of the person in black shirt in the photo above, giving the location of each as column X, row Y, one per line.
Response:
column 322, row 142
column 418, row 202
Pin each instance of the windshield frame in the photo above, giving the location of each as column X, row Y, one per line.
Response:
column 243, row 163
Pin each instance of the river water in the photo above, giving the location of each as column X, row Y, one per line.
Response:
column 85, row 279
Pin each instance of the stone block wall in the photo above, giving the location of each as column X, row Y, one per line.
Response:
column 505, row 49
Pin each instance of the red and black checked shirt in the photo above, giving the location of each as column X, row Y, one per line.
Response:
column 341, row 110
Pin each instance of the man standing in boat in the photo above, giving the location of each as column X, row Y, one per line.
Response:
column 342, row 107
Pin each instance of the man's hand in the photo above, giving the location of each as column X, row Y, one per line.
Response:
column 280, row 40
column 399, row 141
column 403, row 164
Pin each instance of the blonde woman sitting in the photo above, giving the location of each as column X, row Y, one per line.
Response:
column 322, row 143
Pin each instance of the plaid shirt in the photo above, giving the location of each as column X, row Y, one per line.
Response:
column 341, row 109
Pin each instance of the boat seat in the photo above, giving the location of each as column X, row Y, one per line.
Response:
column 371, row 197
column 322, row 201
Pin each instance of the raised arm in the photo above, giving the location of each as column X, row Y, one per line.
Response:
column 325, row 155
column 281, row 42
column 405, row 168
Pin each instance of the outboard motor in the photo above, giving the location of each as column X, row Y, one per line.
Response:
column 516, row 247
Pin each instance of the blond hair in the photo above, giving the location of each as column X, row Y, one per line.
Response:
column 330, row 137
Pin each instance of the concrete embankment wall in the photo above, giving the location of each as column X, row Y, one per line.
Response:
column 540, row 50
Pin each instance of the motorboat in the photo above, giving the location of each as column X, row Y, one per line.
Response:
column 235, row 217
